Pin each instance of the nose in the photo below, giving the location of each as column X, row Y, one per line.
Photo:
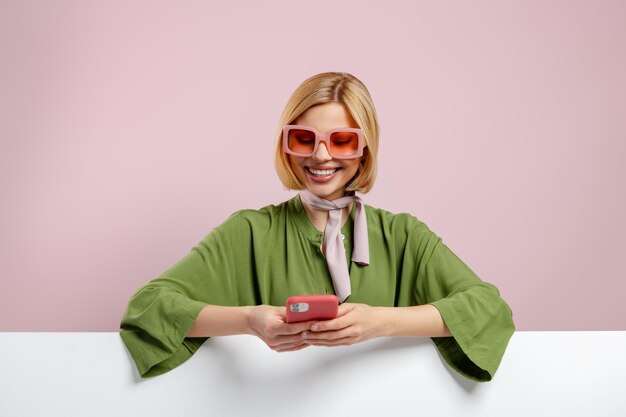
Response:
column 322, row 154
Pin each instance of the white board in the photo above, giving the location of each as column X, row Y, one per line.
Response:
column 92, row 374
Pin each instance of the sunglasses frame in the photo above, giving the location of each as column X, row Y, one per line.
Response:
column 323, row 138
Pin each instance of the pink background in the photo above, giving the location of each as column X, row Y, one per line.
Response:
column 502, row 128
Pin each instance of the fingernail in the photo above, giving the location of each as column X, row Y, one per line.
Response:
column 305, row 335
column 314, row 328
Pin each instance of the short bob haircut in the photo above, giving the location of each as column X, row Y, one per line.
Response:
column 329, row 87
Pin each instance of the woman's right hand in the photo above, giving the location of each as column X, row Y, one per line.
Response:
column 270, row 325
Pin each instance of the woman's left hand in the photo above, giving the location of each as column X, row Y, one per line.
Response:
column 354, row 323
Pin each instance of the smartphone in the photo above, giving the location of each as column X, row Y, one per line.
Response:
column 311, row 307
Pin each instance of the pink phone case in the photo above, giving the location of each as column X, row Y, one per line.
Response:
column 311, row 307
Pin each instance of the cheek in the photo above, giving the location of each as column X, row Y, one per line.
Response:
column 296, row 165
column 353, row 168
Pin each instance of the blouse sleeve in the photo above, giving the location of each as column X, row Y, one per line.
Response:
column 160, row 314
column 479, row 320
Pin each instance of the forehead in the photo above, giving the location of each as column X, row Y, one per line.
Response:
column 327, row 116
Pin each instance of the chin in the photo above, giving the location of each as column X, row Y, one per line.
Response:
column 329, row 189
column 326, row 193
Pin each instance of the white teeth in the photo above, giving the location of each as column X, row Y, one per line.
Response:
column 322, row 172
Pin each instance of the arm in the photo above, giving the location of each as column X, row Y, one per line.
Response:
column 266, row 322
column 159, row 315
column 359, row 322
column 479, row 320
column 438, row 296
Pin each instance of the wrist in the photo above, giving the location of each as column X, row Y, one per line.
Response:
column 248, row 313
column 385, row 321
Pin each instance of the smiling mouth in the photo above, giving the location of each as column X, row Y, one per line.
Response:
column 322, row 173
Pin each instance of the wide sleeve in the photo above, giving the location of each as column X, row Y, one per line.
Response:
column 160, row 314
column 479, row 320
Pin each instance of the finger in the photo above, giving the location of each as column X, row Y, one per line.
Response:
column 293, row 328
column 335, row 324
column 283, row 339
column 279, row 347
column 345, row 341
column 293, row 347
column 330, row 335
column 344, row 309
column 281, row 314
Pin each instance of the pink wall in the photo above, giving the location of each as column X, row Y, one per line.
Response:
column 502, row 128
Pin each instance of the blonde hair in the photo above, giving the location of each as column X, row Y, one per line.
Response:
column 330, row 87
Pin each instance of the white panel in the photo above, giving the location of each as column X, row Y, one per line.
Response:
column 91, row 374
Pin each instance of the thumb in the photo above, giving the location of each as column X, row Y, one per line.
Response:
column 344, row 309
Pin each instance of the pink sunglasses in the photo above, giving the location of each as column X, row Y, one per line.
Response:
column 341, row 143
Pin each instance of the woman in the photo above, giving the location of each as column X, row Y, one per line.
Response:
column 401, row 280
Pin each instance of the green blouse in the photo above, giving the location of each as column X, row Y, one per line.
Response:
column 264, row 256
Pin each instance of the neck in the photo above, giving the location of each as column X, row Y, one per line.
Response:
column 319, row 217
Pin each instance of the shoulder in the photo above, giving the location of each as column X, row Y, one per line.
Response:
column 404, row 229
column 395, row 222
column 408, row 233
column 243, row 225
column 247, row 220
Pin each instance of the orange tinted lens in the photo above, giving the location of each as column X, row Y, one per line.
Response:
column 301, row 141
column 344, row 143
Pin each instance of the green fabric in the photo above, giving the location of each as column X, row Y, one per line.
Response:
column 264, row 256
